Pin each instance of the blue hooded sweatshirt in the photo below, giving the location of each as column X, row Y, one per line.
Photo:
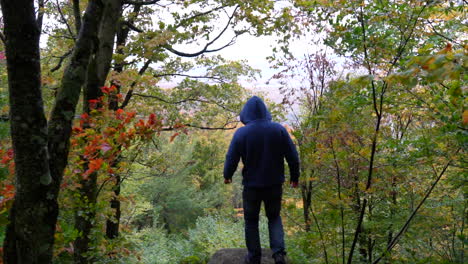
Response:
column 263, row 145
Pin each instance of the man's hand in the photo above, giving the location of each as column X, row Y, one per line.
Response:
column 294, row 184
column 227, row 181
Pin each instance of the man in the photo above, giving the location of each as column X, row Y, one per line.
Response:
column 262, row 145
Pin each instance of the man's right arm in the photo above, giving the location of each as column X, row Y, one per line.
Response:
column 232, row 158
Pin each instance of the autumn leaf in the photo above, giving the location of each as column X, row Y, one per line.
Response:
column 119, row 114
column 105, row 89
column 152, row 119
column 174, row 136
column 93, row 166
column 465, row 117
column 7, row 157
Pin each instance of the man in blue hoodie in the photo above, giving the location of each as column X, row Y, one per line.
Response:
column 263, row 145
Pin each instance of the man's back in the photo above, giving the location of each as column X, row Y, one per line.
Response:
column 262, row 145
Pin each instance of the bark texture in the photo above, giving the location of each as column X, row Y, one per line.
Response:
column 41, row 151
column 112, row 224
column 67, row 98
column 98, row 70
column 30, row 233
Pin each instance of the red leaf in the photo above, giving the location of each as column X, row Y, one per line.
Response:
column 7, row 157
column 174, row 136
column 105, row 90
column 152, row 119
column 95, row 164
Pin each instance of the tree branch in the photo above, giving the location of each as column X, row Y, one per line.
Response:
column 185, row 101
column 205, row 49
column 188, row 76
column 211, row 128
column 440, row 34
column 198, row 15
column 64, row 20
column 132, row 27
column 410, row 218
column 142, row 2
column 61, row 59
column 129, row 94
column 402, row 47
column 225, row 127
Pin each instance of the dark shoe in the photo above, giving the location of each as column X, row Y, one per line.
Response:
column 279, row 258
column 248, row 261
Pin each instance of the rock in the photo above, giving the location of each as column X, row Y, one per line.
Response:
column 237, row 255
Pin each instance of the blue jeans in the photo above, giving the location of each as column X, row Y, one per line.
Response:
column 252, row 200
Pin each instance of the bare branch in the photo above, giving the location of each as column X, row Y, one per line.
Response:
column 132, row 27
column 183, row 54
column 440, row 34
column 211, row 128
column 190, row 99
column 62, row 36
column 130, row 2
column 61, row 59
column 125, row 64
column 183, row 21
column 205, row 49
column 225, row 127
column 188, row 76
column 64, row 20
column 129, row 94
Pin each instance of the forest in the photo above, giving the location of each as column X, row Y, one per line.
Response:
column 116, row 116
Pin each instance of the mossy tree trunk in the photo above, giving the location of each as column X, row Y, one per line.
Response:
column 29, row 235
column 41, row 149
column 97, row 74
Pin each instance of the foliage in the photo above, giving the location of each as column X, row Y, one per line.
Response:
column 210, row 233
column 98, row 140
column 382, row 144
column 383, row 148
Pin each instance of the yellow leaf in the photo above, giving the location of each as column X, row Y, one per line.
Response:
column 465, row 117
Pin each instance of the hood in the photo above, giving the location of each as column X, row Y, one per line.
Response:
column 254, row 109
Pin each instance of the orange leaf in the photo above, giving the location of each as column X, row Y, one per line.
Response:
column 465, row 117
column 95, row 164
column 174, row 136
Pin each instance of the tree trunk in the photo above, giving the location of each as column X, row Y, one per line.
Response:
column 97, row 74
column 306, row 191
column 30, row 233
column 113, row 223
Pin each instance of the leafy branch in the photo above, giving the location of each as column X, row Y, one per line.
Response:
column 64, row 20
column 378, row 109
column 397, row 237
column 207, row 45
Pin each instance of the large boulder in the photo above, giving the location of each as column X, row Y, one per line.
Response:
column 237, row 255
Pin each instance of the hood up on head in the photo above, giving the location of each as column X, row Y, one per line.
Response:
column 254, row 109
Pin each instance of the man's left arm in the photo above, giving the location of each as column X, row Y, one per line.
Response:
column 292, row 157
